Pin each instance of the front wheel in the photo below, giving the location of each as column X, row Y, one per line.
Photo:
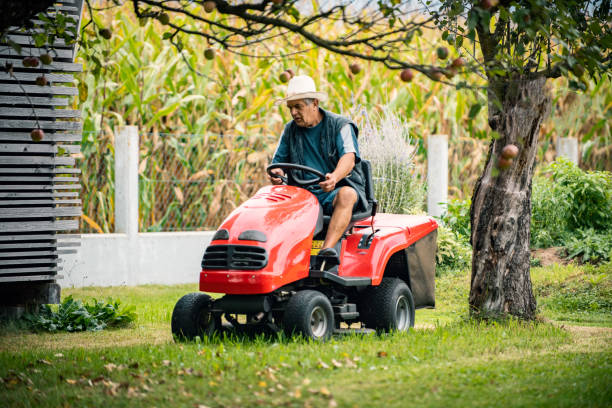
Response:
column 388, row 306
column 310, row 314
column 192, row 317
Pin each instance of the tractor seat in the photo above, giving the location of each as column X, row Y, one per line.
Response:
column 366, row 169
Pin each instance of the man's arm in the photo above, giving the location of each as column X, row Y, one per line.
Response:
column 344, row 167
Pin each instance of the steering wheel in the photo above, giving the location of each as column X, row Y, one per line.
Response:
column 291, row 178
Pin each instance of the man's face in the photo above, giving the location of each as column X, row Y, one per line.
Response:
column 304, row 115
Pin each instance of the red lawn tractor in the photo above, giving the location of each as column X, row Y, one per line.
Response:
column 264, row 259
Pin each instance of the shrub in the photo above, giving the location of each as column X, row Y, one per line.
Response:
column 573, row 209
column 454, row 251
column 457, row 217
column 589, row 194
column 549, row 213
column 73, row 315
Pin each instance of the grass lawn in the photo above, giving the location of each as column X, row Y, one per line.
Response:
column 447, row 360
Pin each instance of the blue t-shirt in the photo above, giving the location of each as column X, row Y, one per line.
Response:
column 346, row 142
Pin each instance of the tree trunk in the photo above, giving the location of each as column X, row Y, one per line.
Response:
column 501, row 204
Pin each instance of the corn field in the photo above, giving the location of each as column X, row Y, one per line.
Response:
column 209, row 127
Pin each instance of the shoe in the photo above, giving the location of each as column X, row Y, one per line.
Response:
column 328, row 252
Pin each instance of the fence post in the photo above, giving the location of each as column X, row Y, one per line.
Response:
column 568, row 147
column 437, row 174
column 126, row 180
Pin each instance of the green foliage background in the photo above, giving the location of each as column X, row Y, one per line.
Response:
column 570, row 208
column 208, row 131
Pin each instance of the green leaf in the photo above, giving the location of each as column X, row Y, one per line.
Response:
column 293, row 12
column 40, row 39
column 458, row 41
column 15, row 46
column 474, row 110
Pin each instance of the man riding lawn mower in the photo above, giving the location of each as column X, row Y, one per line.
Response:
column 309, row 253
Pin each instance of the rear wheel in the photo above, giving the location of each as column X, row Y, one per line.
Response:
column 310, row 314
column 388, row 306
column 192, row 317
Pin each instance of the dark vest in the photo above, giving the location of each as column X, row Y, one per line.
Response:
column 332, row 124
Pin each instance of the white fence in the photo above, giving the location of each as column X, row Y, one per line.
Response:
column 130, row 257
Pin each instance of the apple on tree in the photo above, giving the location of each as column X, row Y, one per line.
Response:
column 406, row 75
column 37, row 134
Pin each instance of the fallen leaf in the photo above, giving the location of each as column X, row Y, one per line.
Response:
column 59, row 355
column 333, row 403
column 336, row 363
column 110, row 367
column 134, row 365
column 306, row 381
column 322, row 364
column 349, row 363
column 262, row 384
column 297, row 393
column 167, row 363
column 381, row 354
column 70, row 381
column 43, row 361
column 324, row 391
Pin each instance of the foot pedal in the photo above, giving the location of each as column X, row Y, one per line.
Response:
column 328, row 258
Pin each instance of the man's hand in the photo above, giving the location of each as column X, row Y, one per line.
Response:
column 275, row 180
column 330, row 182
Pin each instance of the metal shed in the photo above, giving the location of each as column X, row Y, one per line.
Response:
column 39, row 182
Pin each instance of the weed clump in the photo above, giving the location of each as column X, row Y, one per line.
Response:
column 73, row 315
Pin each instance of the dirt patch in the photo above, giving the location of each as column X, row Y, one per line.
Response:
column 550, row 256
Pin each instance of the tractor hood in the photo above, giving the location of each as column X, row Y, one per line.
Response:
column 263, row 244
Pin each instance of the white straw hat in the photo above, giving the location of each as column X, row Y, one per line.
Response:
column 301, row 87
